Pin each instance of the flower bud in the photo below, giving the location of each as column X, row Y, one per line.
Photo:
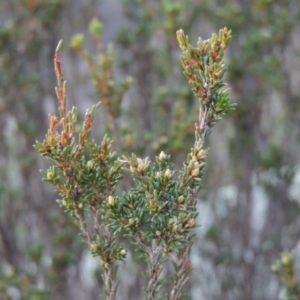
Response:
column 191, row 223
column 90, row 164
column 286, row 259
column 180, row 199
column 131, row 221
column 158, row 233
column 168, row 173
column 141, row 165
column 50, row 175
column 195, row 172
column 77, row 41
column 122, row 252
column 192, row 161
column 111, row 200
column 180, row 38
column 96, row 27
column 94, row 246
column 162, row 155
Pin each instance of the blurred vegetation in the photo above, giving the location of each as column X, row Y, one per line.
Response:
column 27, row 37
column 256, row 156
column 285, row 270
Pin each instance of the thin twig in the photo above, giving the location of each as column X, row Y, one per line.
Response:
column 83, row 228
column 203, row 128
column 154, row 254
column 184, row 265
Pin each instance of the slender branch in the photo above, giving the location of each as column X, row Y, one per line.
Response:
column 97, row 226
column 203, row 126
column 155, row 268
column 109, row 283
column 83, row 228
column 181, row 277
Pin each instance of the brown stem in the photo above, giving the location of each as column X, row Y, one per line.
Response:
column 83, row 228
column 97, row 226
column 203, row 127
column 109, row 280
column 181, row 277
column 154, row 254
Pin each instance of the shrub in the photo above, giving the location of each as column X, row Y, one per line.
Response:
column 158, row 213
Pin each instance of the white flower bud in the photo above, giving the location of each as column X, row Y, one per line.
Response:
column 162, row 155
column 141, row 165
column 201, row 154
column 90, row 165
column 168, row 173
column 195, row 172
column 111, row 200
column 122, row 252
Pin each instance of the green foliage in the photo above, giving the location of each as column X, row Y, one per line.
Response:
column 24, row 32
column 259, row 150
column 262, row 62
column 27, row 33
column 158, row 213
column 204, row 68
column 108, row 90
column 13, row 285
column 284, row 269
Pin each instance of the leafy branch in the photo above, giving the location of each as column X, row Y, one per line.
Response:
column 158, row 214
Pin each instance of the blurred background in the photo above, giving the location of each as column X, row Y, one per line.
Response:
column 249, row 205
